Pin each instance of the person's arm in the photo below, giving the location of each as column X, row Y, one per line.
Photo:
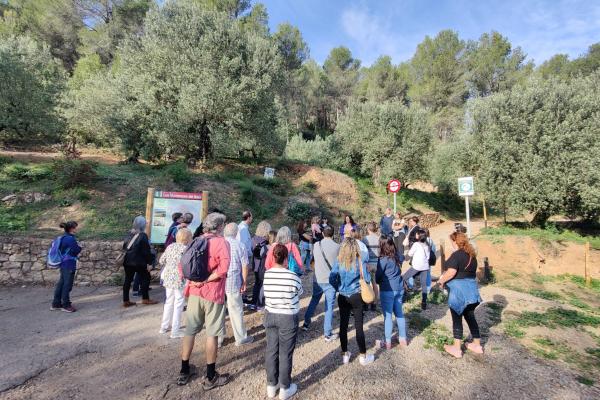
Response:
column 223, row 255
column 379, row 273
column 413, row 250
column 366, row 274
column 269, row 259
column 163, row 258
column 452, row 269
column 245, row 268
column 145, row 249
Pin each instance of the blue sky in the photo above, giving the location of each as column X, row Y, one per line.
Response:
column 394, row 27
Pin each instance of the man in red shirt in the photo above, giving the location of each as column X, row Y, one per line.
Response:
column 205, row 306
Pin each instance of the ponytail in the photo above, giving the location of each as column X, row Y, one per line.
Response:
column 462, row 242
column 68, row 226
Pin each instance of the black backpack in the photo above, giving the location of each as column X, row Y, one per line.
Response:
column 432, row 256
column 257, row 250
column 194, row 261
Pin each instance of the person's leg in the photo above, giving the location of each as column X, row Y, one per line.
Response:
column 136, row 282
column 68, row 278
column 235, row 306
column 256, row 288
column 469, row 315
column 288, row 333
column 57, row 301
column 356, row 303
column 457, row 331
column 317, row 292
column 428, row 280
column 194, row 324
column 129, row 272
column 373, row 269
column 272, row 350
column 345, row 308
column 144, row 282
column 177, row 310
column 387, row 298
column 423, row 281
column 168, row 310
column 329, row 292
column 215, row 327
column 400, row 321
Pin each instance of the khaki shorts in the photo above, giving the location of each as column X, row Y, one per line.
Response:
column 203, row 313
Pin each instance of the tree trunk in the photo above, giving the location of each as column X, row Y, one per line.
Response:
column 540, row 218
column 204, row 151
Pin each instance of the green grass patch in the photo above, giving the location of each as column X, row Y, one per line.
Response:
column 513, row 329
column 557, row 317
column 436, row 336
column 552, row 233
column 437, row 297
column 586, row 381
column 545, row 294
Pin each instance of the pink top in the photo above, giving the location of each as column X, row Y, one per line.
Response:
column 315, row 229
column 218, row 261
column 292, row 248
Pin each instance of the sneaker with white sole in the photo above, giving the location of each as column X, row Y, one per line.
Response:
column 331, row 337
column 246, row 340
column 178, row 334
column 272, row 391
column 366, row 359
column 346, row 357
column 285, row 394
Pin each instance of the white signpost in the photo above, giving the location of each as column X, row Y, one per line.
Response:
column 394, row 186
column 466, row 189
column 269, row 173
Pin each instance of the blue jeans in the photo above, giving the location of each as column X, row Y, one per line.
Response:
column 63, row 288
column 318, row 290
column 391, row 303
column 305, row 255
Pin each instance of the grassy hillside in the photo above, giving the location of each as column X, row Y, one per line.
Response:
column 105, row 195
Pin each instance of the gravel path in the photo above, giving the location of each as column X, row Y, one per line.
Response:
column 104, row 351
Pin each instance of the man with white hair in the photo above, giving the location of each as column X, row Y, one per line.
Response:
column 235, row 285
column 206, row 305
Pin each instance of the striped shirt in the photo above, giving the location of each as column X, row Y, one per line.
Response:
column 282, row 290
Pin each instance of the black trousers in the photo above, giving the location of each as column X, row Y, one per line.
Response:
column 469, row 315
column 144, row 275
column 354, row 304
column 258, row 282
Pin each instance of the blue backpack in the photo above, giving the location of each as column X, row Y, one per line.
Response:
column 55, row 257
column 293, row 265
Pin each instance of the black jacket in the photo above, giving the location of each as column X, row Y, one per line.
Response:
column 140, row 254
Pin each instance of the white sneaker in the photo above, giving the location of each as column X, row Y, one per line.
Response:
column 162, row 331
column 272, row 391
column 246, row 340
column 178, row 334
column 285, row 394
column 331, row 337
column 366, row 359
column 346, row 357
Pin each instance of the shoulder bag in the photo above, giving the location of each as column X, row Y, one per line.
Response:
column 366, row 290
column 121, row 257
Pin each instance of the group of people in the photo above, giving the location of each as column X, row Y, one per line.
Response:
column 346, row 270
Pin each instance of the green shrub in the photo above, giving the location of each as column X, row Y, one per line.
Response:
column 276, row 185
column 316, row 152
column 27, row 173
column 298, row 211
column 74, row 173
column 436, row 336
column 179, row 174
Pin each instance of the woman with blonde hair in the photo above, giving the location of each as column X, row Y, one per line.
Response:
column 345, row 276
column 173, row 283
column 260, row 243
column 463, row 295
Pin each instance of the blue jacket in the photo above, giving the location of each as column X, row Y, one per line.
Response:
column 389, row 275
column 342, row 230
column 69, row 243
column 348, row 279
column 461, row 293
column 385, row 225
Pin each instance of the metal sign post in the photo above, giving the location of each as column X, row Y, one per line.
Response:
column 466, row 189
column 394, row 186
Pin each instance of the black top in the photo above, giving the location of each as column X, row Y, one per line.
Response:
column 412, row 235
column 459, row 260
column 302, row 237
column 398, row 240
column 140, row 254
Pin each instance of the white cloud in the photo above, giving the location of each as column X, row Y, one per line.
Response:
column 372, row 35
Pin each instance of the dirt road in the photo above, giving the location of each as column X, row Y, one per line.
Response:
column 106, row 352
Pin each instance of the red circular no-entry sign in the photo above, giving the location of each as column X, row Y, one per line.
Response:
column 394, row 186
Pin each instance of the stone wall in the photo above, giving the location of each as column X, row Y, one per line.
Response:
column 23, row 260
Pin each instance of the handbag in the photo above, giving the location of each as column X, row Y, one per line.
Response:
column 366, row 290
column 121, row 257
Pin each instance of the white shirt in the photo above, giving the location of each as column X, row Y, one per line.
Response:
column 244, row 237
column 282, row 290
column 420, row 256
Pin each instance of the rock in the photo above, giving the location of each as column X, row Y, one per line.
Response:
column 38, row 266
column 4, row 257
column 26, row 266
column 9, row 198
column 20, row 257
